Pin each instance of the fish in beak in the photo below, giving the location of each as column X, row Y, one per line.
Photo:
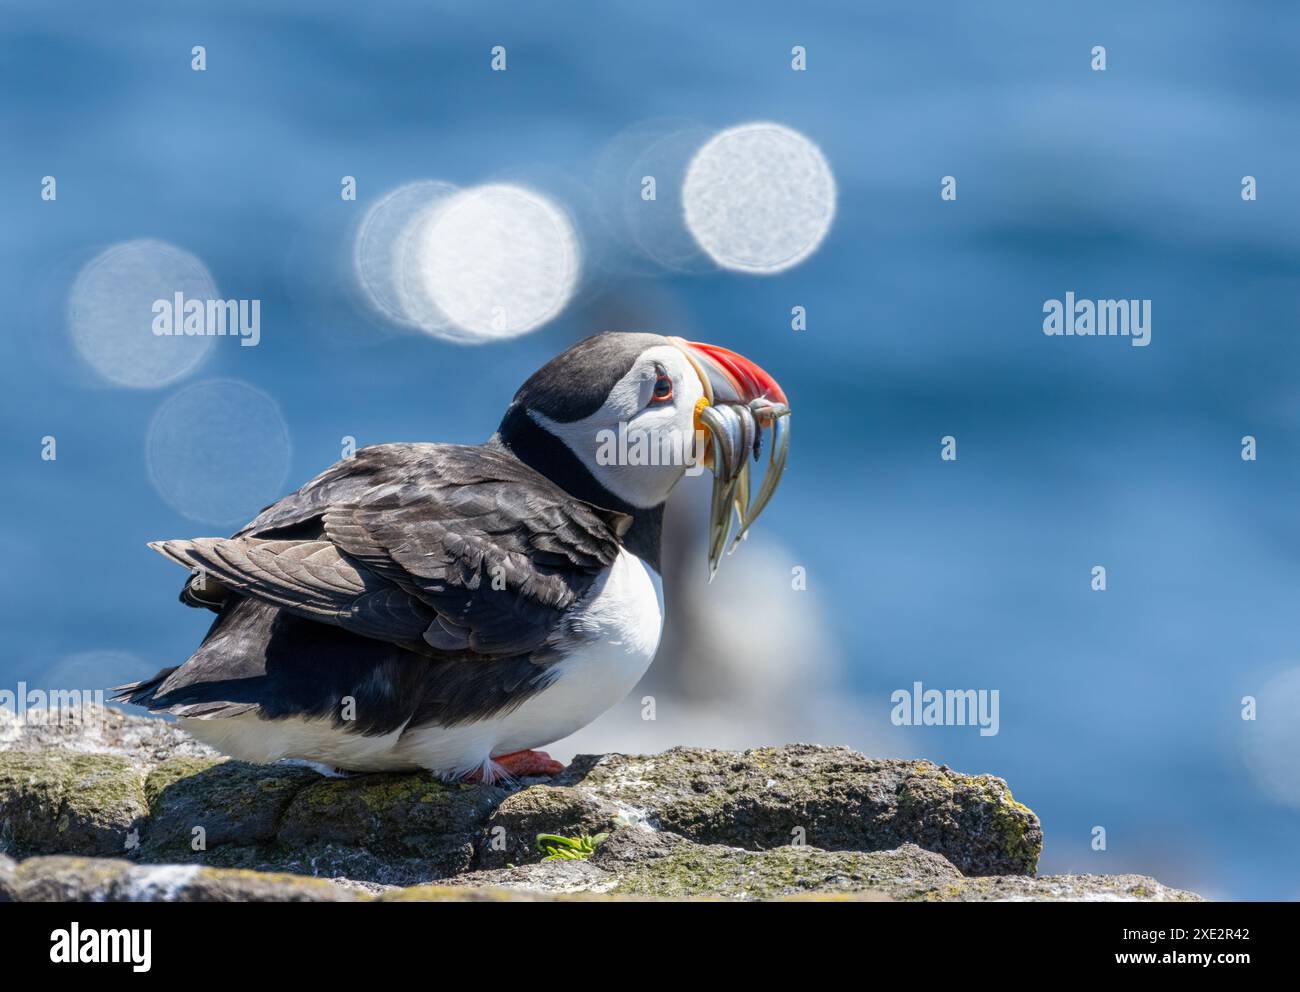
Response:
column 740, row 402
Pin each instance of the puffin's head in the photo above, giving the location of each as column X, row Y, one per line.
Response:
column 637, row 411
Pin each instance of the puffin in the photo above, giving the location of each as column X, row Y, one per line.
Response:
column 454, row 608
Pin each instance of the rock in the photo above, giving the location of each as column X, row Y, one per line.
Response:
column 460, row 893
column 550, row 877
column 509, row 836
column 686, row 870
column 231, row 802
column 130, row 808
column 421, row 827
column 636, row 862
column 67, row 801
column 146, row 741
column 1063, row 888
column 682, row 869
column 826, row 797
column 8, row 869
column 65, row 879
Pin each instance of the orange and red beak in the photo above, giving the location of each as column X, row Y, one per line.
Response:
column 740, row 401
column 729, row 377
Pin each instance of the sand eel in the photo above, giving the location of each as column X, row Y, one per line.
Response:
column 456, row 607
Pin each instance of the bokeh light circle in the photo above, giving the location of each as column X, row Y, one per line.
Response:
column 759, row 198
column 652, row 230
column 218, row 451
column 499, row 260
column 382, row 257
column 111, row 313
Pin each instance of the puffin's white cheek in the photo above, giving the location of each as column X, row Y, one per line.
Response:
column 658, row 423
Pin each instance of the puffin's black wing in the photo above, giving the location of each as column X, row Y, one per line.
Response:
column 447, row 550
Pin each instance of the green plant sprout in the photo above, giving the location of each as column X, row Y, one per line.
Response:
column 557, row 848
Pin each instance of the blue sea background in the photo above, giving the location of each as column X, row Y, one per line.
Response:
column 1120, row 709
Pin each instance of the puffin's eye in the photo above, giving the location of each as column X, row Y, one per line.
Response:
column 663, row 390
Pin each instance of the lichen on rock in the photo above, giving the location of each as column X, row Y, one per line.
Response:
column 831, row 798
column 230, row 802
column 69, row 801
column 132, row 809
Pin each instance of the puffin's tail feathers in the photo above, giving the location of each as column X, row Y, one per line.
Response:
column 141, row 693
column 145, row 693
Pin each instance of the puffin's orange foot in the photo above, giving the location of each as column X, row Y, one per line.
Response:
column 521, row 764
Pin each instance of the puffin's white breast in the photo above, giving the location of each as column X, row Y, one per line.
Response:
column 620, row 622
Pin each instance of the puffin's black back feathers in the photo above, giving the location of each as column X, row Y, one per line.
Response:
column 338, row 584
